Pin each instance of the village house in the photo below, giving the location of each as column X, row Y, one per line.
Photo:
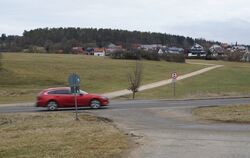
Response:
column 197, row 51
column 89, row 51
column 135, row 46
column 246, row 56
column 174, row 50
column 236, row 48
column 161, row 51
column 225, row 46
column 216, row 50
column 239, row 48
column 99, row 52
column 111, row 48
column 148, row 47
column 77, row 50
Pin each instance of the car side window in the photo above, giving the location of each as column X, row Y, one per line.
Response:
column 64, row 91
column 52, row 92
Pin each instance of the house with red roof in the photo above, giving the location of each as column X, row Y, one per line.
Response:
column 99, row 52
column 77, row 50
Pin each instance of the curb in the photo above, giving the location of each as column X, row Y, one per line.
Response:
column 120, row 100
column 208, row 98
column 29, row 104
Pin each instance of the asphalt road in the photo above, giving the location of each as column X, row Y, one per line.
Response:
column 167, row 128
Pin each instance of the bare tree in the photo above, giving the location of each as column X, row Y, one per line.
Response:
column 135, row 78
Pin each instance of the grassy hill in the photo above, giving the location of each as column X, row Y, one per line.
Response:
column 231, row 80
column 24, row 75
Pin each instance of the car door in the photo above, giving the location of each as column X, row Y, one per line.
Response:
column 65, row 98
column 83, row 99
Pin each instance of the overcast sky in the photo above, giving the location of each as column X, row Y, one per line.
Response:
column 222, row 20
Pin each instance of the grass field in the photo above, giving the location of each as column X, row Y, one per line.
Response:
column 231, row 80
column 24, row 75
column 57, row 135
column 237, row 113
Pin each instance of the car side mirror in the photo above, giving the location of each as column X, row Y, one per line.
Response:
column 81, row 94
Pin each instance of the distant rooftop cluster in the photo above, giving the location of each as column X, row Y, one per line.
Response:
column 107, row 42
column 196, row 50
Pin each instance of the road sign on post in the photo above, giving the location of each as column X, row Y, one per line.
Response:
column 74, row 83
column 174, row 76
column 74, row 80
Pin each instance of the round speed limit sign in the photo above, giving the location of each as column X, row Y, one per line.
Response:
column 174, row 75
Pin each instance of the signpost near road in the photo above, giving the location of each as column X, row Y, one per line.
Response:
column 174, row 76
column 74, row 83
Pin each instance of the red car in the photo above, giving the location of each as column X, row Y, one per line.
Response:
column 54, row 98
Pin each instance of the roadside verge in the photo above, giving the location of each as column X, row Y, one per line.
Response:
column 123, row 92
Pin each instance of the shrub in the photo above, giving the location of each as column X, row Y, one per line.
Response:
column 132, row 55
column 148, row 55
column 234, row 56
column 174, row 57
column 36, row 49
column 125, row 55
column 246, row 57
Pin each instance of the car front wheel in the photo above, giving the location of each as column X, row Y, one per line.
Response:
column 52, row 105
column 95, row 104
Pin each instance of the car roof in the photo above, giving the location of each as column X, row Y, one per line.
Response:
column 57, row 88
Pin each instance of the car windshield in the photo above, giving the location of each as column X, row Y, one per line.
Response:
column 83, row 92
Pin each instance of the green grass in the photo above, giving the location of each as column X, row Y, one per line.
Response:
column 231, row 80
column 236, row 113
column 57, row 135
column 24, row 75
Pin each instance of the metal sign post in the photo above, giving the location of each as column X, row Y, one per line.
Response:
column 76, row 107
column 174, row 79
column 74, row 82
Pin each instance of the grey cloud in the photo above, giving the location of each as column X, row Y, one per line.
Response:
column 225, row 31
column 196, row 18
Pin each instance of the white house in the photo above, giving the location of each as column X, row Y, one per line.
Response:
column 197, row 51
column 150, row 46
column 112, row 48
column 239, row 48
column 162, row 50
column 174, row 50
column 99, row 52
column 216, row 50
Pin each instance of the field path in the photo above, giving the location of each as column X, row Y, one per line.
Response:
column 163, row 82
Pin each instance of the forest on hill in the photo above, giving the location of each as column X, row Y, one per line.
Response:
column 53, row 39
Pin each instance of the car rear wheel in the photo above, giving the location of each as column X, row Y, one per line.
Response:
column 52, row 105
column 95, row 104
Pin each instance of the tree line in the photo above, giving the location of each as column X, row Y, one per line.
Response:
column 54, row 39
